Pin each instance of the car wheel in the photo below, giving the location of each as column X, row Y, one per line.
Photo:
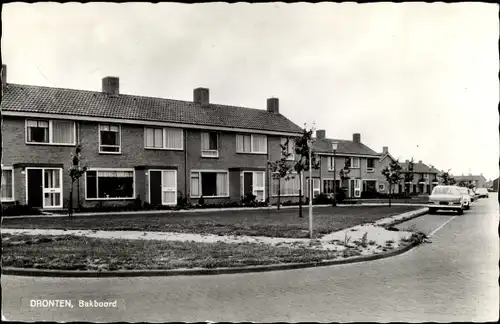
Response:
column 460, row 211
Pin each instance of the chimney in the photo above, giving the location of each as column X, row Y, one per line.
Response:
column 407, row 161
column 4, row 75
column 320, row 134
column 111, row 86
column 385, row 149
column 419, row 161
column 201, row 96
column 356, row 138
column 273, row 105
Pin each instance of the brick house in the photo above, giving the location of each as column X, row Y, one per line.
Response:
column 363, row 162
column 151, row 148
column 385, row 159
column 477, row 181
column 425, row 178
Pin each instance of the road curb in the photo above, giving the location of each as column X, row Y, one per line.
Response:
column 399, row 221
column 198, row 272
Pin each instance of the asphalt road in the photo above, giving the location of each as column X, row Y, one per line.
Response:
column 453, row 278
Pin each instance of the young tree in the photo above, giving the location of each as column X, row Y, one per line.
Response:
column 75, row 172
column 302, row 163
column 447, row 179
column 280, row 169
column 393, row 176
column 408, row 175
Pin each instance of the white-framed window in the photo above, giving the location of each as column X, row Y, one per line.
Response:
column 381, row 186
column 370, row 165
column 289, row 187
column 7, row 184
column 163, row 138
column 210, row 144
column 109, row 138
column 290, row 142
column 103, row 184
column 209, row 183
column 330, row 162
column 55, row 132
column 354, row 162
column 316, row 186
column 328, row 186
column 251, row 143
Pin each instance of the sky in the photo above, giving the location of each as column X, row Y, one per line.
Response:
column 420, row 78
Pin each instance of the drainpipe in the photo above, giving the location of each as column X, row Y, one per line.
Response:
column 186, row 167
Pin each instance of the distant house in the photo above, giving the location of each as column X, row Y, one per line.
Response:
column 425, row 178
column 478, row 181
column 385, row 159
column 362, row 161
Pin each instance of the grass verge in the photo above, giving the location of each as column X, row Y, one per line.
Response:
column 271, row 223
column 81, row 253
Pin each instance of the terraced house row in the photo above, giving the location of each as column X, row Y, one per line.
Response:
column 158, row 149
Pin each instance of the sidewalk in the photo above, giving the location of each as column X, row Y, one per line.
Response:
column 375, row 232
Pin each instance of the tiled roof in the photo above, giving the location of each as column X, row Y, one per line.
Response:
column 39, row 99
column 345, row 147
column 420, row 167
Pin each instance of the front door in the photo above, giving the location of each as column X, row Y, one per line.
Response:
column 163, row 187
column 355, row 188
column 247, row 184
column 35, row 188
column 44, row 188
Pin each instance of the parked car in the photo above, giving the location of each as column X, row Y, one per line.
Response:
column 446, row 198
column 466, row 195
column 473, row 195
column 482, row 192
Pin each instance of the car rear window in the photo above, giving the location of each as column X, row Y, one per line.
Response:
column 444, row 191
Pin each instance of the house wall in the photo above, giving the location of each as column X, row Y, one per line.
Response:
column 133, row 154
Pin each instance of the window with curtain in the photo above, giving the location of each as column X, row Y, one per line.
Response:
column 243, row 143
column 154, row 137
column 354, row 162
column 7, row 187
column 209, row 144
column 110, row 138
column 50, row 131
column 109, row 184
column 370, row 163
column 331, row 163
column 289, row 187
column 63, row 131
column 164, row 138
column 259, row 144
column 251, row 143
column 259, row 181
column 209, row 184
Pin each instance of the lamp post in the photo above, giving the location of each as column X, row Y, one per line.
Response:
column 309, row 146
column 334, row 147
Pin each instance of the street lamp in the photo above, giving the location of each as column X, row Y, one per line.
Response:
column 309, row 146
column 335, row 146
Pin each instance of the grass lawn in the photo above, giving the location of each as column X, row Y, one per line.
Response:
column 271, row 223
column 81, row 253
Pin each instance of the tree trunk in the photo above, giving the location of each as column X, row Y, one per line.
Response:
column 70, row 205
column 279, row 194
column 390, row 194
column 300, row 196
column 78, row 193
